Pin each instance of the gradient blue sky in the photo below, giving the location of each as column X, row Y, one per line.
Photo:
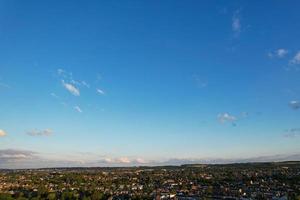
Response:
column 175, row 79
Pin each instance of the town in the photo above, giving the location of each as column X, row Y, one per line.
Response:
column 187, row 182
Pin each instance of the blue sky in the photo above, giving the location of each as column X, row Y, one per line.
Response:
column 139, row 82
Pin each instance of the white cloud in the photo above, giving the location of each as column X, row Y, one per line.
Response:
column 99, row 91
column 71, row 88
column 296, row 59
column 225, row 117
column 46, row 132
column 279, row 53
column 294, row 105
column 68, row 76
column 78, row 109
column 124, row 160
column 108, row 160
column 2, row 133
column 141, row 161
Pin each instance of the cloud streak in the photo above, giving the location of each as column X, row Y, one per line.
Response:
column 99, row 91
column 78, row 109
column 71, row 88
column 46, row 132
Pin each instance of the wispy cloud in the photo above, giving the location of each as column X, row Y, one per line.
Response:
column 3, row 85
column 98, row 77
column 296, row 59
column 60, row 71
column 236, row 23
column 279, row 53
column 294, row 105
column 244, row 114
column 78, row 109
column 68, row 76
column 85, row 84
column 12, row 154
column 123, row 161
column 54, row 95
column 71, row 88
column 292, row 133
column 226, row 117
column 200, row 83
column 2, row 133
column 46, row 132
column 99, row 91
column 14, row 158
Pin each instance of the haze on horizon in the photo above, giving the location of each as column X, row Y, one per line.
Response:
column 125, row 83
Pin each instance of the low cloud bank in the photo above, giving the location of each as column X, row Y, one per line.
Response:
column 20, row 159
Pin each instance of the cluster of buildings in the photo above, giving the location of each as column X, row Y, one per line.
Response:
column 189, row 182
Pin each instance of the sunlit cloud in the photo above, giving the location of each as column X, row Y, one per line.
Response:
column 99, row 91
column 294, row 105
column 124, row 160
column 140, row 160
column 225, row 117
column 46, row 132
column 71, row 88
column 78, row 109
column 2, row 133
